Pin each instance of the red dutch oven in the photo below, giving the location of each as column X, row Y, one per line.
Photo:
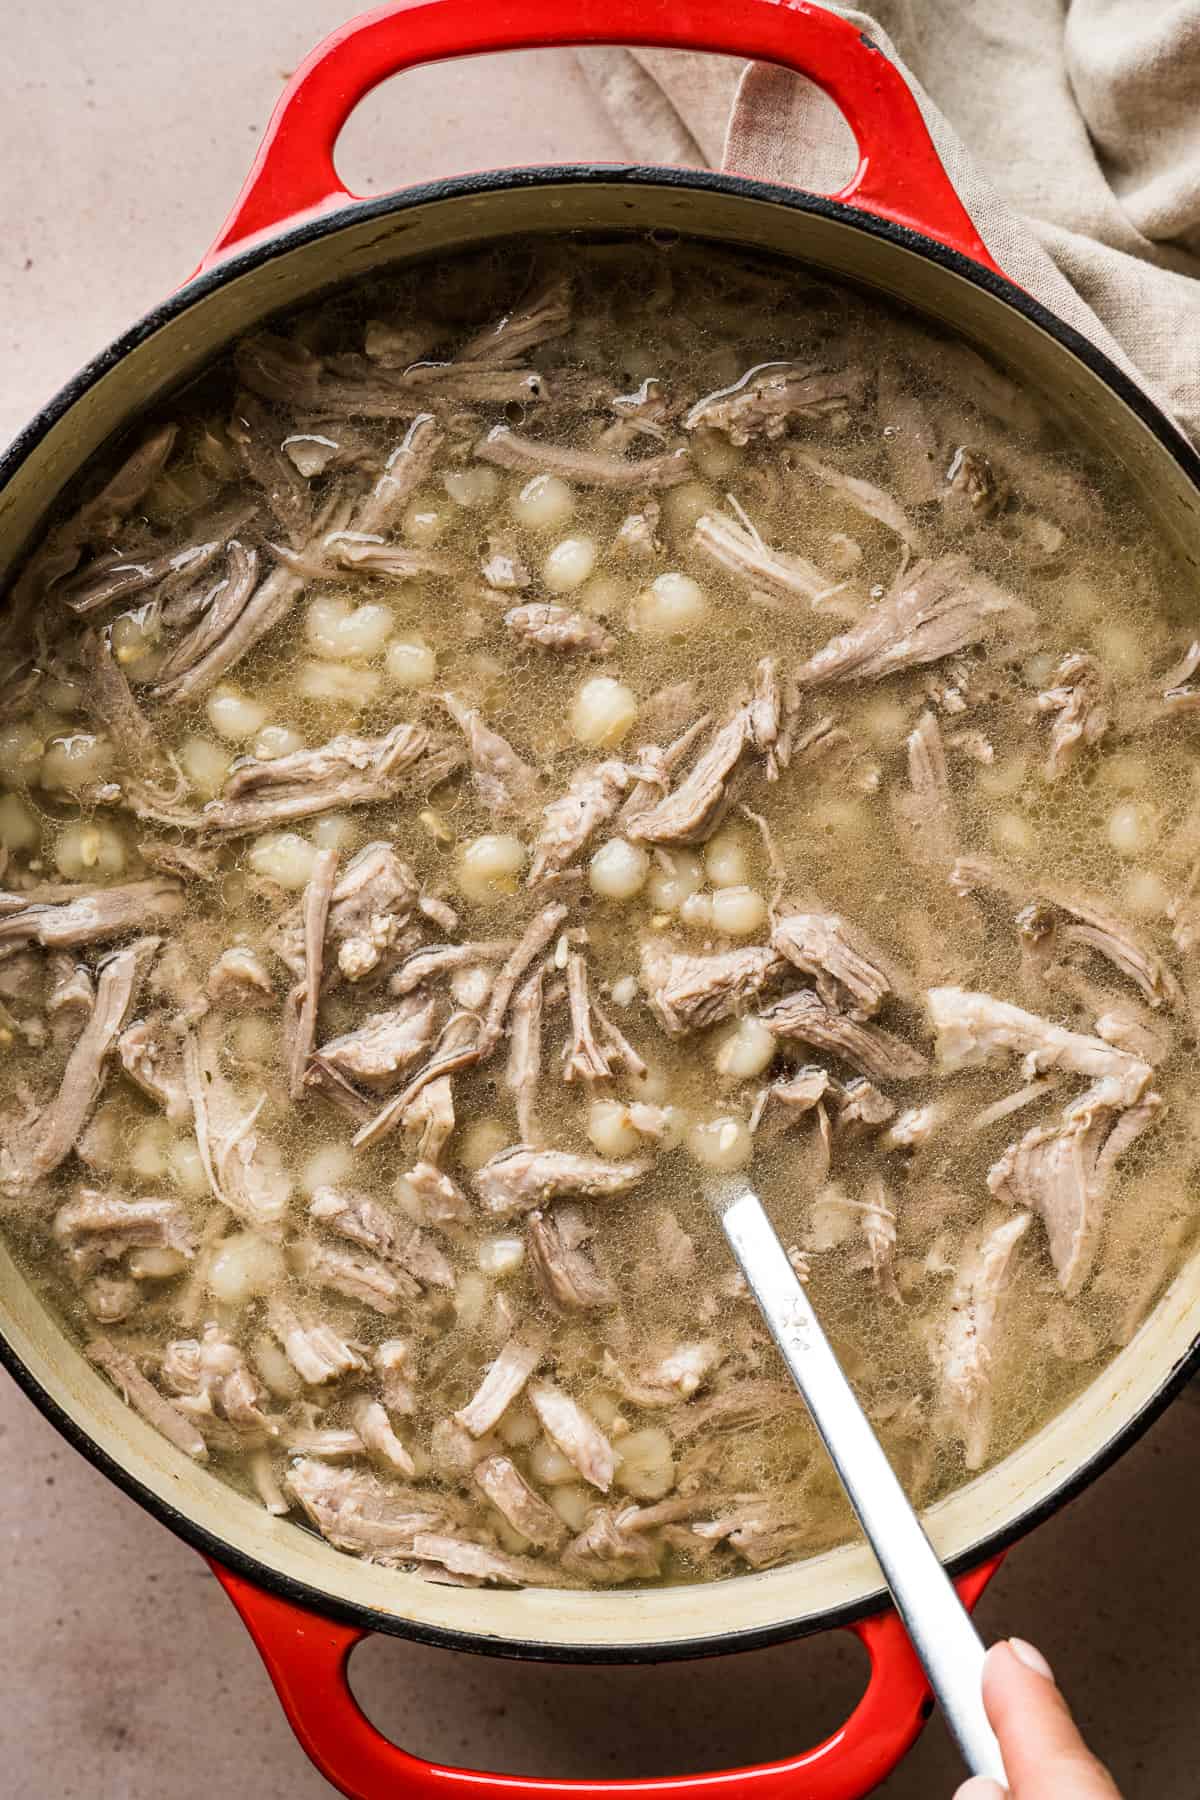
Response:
column 899, row 229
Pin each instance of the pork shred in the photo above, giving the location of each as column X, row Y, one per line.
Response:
column 687, row 992
column 1061, row 1172
column 479, row 1563
column 768, row 399
column 100, row 1225
column 501, row 1482
column 1076, row 706
column 140, row 1393
column 150, row 1053
column 90, row 916
column 347, row 771
column 868, row 1048
column 359, row 1511
column 307, row 998
column 525, row 1053
column 692, row 811
column 507, row 450
column 369, row 911
column 605, row 1552
column 975, row 1029
column 502, row 1383
column 772, row 578
column 243, row 1166
column 1071, row 921
column 933, row 611
column 519, row 1179
column 821, row 945
column 316, row 1352
column 569, row 823
column 965, row 1344
column 52, row 1134
column 376, row 1052
column 583, row 1058
column 575, row 1433
column 554, row 627
column 563, row 1270
column 504, row 781
column 925, row 815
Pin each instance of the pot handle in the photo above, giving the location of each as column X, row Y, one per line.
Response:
column 899, row 176
column 307, row 1656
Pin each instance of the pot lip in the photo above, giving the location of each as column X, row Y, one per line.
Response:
column 716, row 1642
column 266, row 246
column 264, row 249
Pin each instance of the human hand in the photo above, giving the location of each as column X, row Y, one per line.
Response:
column 1043, row 1752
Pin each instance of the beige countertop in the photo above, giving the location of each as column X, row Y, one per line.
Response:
column 124, row 1673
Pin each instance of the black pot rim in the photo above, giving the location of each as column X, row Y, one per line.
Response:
column 263, row 250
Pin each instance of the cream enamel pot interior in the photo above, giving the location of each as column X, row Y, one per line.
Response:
column 898, row 231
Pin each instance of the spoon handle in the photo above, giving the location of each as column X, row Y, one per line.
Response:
column 941, row 1631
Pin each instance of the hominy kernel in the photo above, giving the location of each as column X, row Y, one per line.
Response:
column 21, row 751
column 738, row 911
column 19, row 829
column 245, row 1265
column 274, row 741
column 76, row 761
column 185, row 1166
column 336, row 684
column 674, row 876
column 696, row 912
column 618, row 870
column 1147, row 894
column 482, row 1139
column 683, row 505
column 283, row 857
column 410, row 662
column 326, row 1168
column 672, row 605
column 346, row 633
column 148, row 1152
column 746, row 1050
column 569, row 564
column 500, row 1256
column 544, row 503
column 488, row 866
column 234, row 716
column 89, row 851
column 548, row 1465
column 572, row 1502
column 427, row 518
column 725, row 859
column 205, row 764
column 471, row 487
column 1013, row 833
column 721, row 1143
column 1132, row 828
column 334, row 831
column 647, row 1466
column 610, row 1129
column 602, row 712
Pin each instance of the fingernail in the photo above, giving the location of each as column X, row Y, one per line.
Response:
column 1033, row 1659
column 980, row 1788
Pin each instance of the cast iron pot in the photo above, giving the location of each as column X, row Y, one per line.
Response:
column 898, row 228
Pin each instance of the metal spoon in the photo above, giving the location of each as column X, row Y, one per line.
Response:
column 937, row 1622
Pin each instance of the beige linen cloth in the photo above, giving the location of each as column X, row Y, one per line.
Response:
column 1071, row 129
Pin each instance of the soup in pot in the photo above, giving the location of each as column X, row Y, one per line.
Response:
column 514, row 746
